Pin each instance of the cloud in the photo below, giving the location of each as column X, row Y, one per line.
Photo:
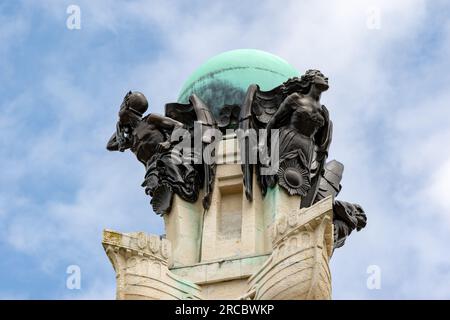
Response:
column 60, row 187
column 12, row 32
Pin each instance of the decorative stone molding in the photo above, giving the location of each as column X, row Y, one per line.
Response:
column 298, row 266
column 141, row 264
column 257, row 222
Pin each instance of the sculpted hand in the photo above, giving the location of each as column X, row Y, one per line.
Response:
column 163, row 146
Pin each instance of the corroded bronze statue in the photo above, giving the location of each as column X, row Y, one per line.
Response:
column 149, row 138
column 238, row 169
column 305, row 132
column 293, row 108
column 347, row 216
column 197, row 115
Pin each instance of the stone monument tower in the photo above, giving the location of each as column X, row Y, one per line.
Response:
column 238, row 170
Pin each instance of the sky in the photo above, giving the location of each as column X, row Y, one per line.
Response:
column 60, row 89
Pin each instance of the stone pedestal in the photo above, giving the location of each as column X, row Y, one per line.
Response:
column 184, row 230
column 267, row 248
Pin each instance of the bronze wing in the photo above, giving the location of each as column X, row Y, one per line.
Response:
column 256, row 111
column 196, row 111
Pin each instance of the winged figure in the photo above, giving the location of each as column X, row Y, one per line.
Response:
column 196, row 112
column 150, row 139
column 305, row 131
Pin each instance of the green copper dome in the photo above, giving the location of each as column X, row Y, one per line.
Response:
column 224, row 79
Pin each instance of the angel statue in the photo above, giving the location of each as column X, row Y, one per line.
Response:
column 149, row 138
column 305, row 132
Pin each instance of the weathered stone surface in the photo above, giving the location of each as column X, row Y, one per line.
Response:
column 262, row 249
column 302, row 241
column 234, row 228
column 183, row 230
column 141, row 265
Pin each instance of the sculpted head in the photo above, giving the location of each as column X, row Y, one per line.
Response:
column 316, row 78
column 134, row 105
column 304, row 84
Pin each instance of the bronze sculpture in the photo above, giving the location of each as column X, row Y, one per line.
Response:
column 149, row 138
column 304, row 127
column 347, row 216
column 293, row 108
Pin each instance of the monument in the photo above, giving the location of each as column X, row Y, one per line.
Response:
column 238, row 170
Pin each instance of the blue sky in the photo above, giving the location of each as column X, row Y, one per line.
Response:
column 60, row 90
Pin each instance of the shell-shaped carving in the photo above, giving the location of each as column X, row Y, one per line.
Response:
column 142, row 240
column 154, row 243
column 292, row 218
column 292, row 244
column 132, row 265
column 294, row 177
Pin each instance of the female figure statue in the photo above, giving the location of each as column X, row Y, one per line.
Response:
column 304, row 131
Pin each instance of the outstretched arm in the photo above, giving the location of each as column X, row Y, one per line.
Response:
column 120, row 140
column 113, row 145
column 164, row 122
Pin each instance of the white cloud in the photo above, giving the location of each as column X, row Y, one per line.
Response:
column 331, row 36
column 439, row 188
column 12, row 32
